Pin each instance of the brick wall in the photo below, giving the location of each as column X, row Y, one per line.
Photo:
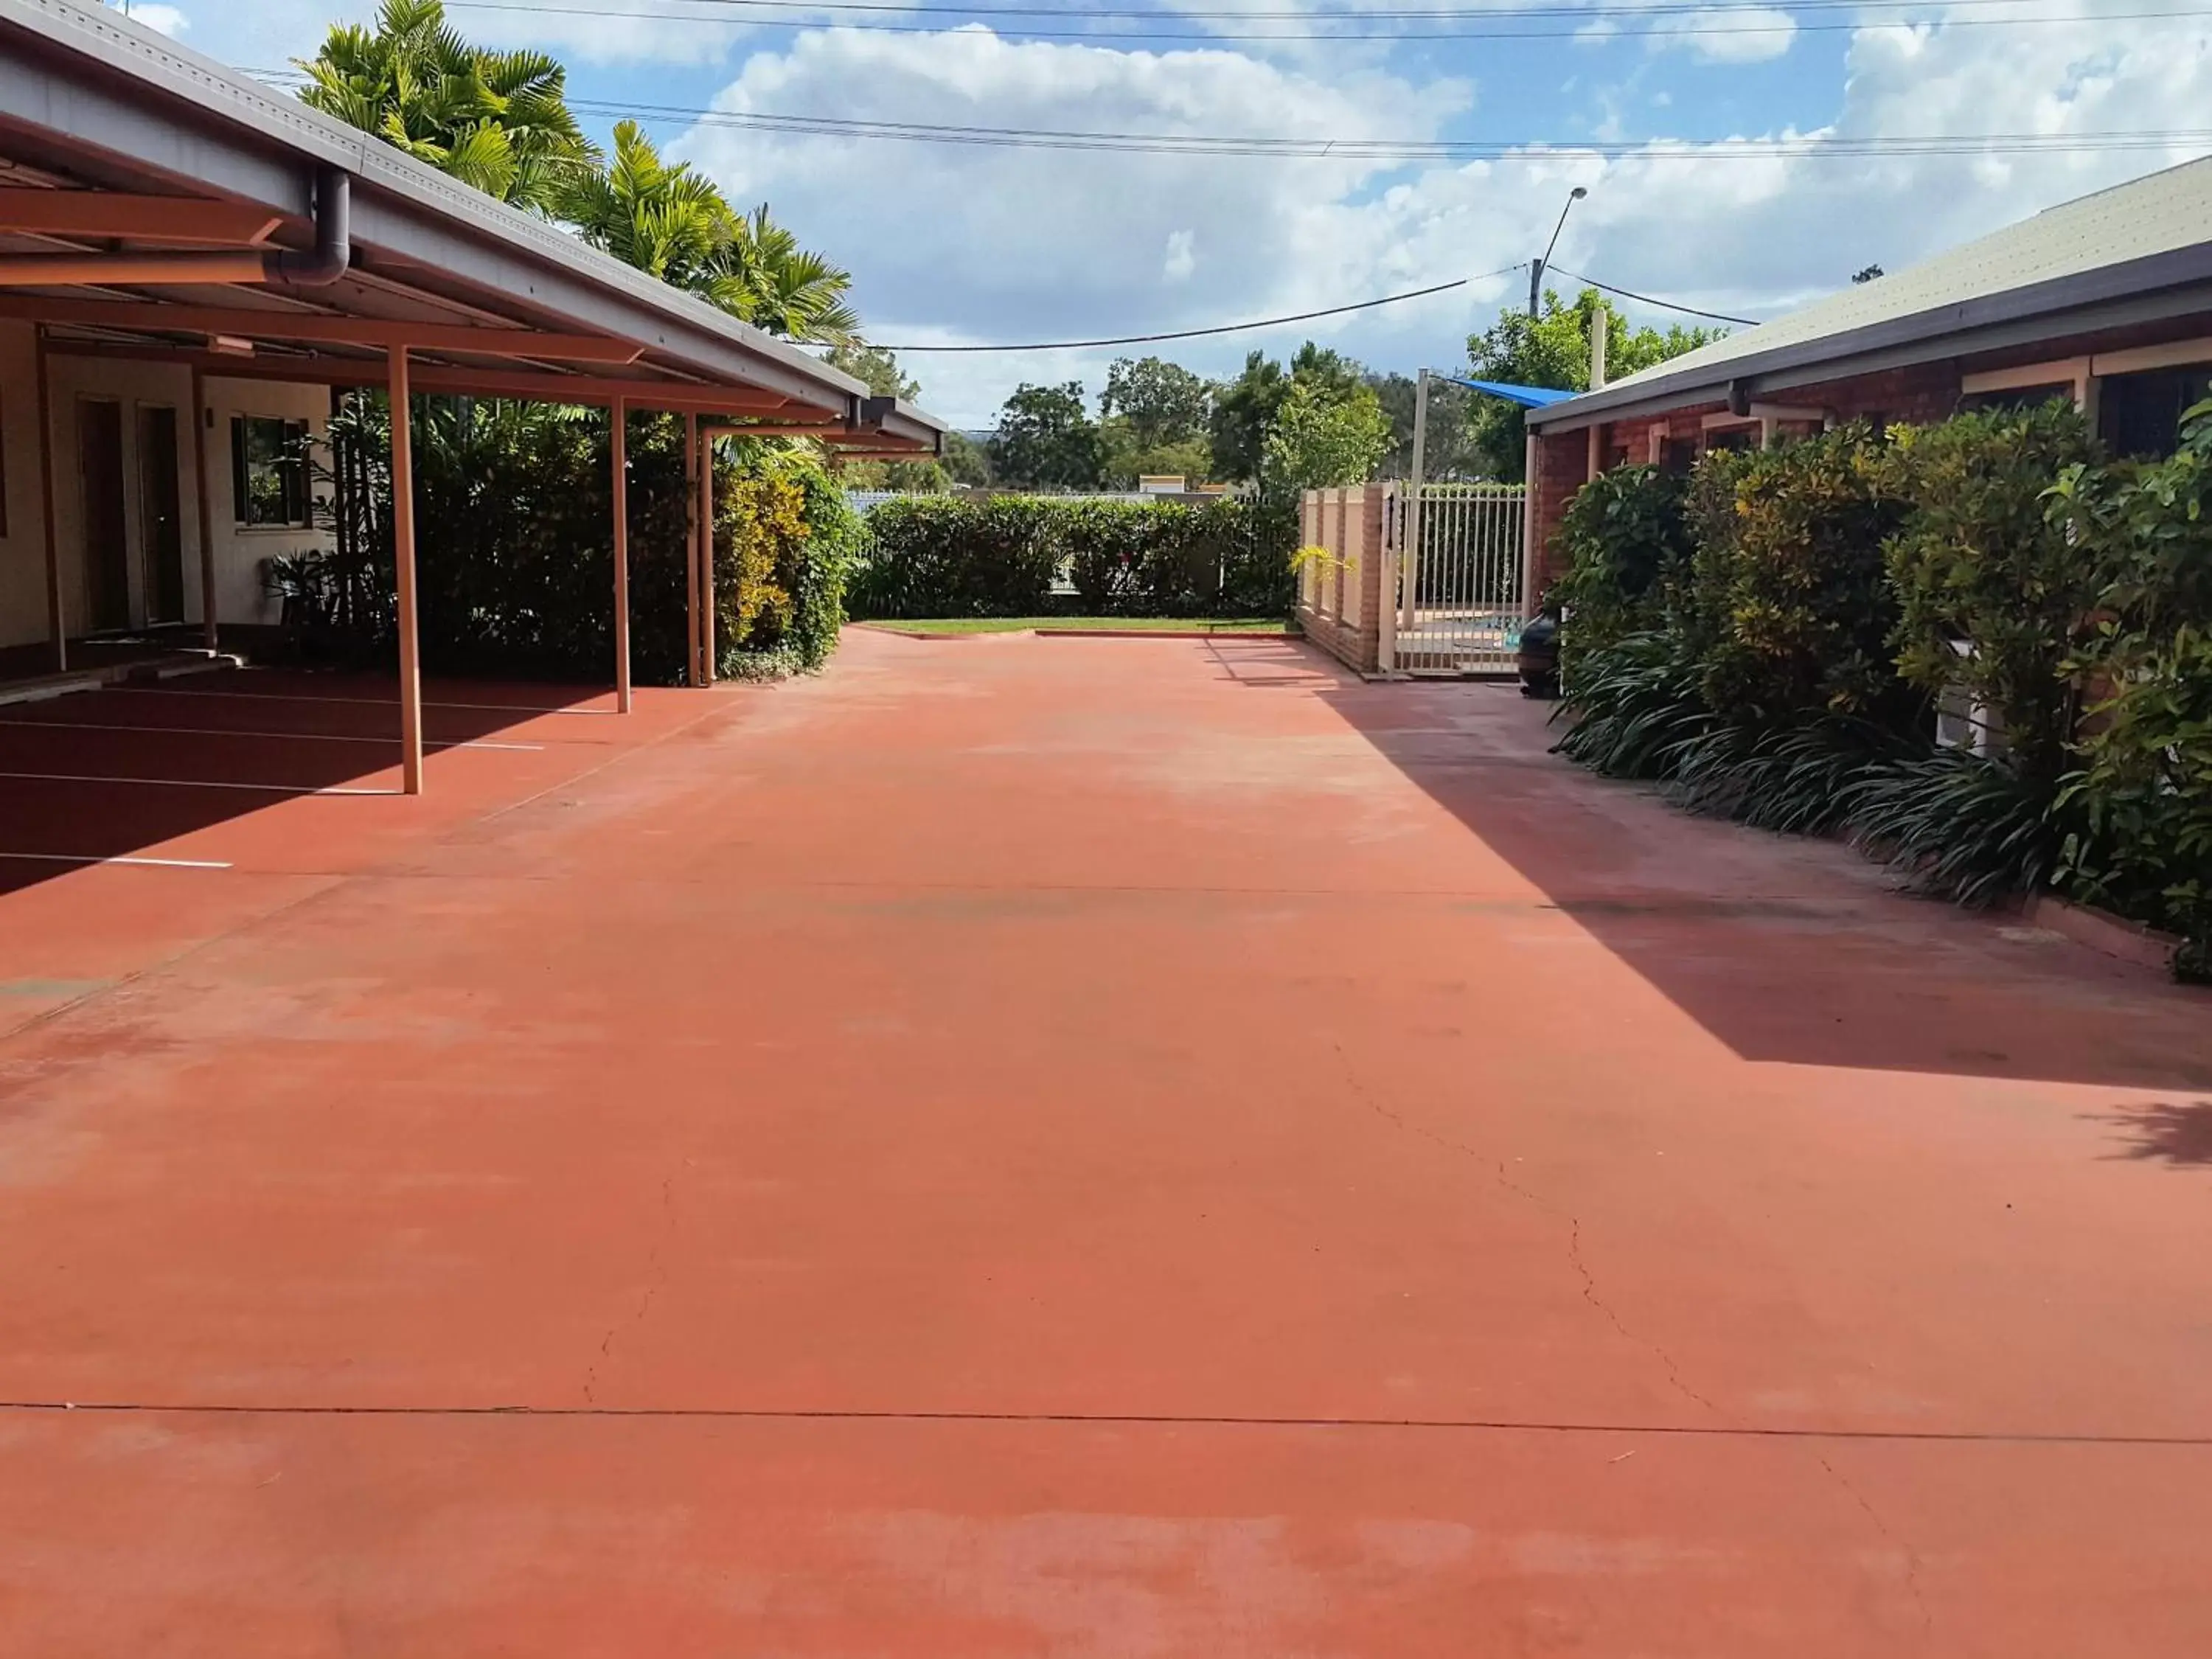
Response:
column 1340, row 602
column 1562, row 468
column 1920, row 395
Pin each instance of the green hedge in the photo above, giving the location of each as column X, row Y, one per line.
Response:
column 1769, row 637
column 945, row 555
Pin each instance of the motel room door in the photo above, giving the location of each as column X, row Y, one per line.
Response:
column 107, row 521
column 161, row 523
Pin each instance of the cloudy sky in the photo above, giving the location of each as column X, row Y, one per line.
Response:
column 1740, row 158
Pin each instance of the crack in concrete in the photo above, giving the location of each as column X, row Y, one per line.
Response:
column 645, row 1302
column 1912, row 1556
column 1590, row 1295
column 1574, row 1227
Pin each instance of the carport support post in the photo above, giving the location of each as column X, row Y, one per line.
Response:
column 706, row 556
column 57, row 618
column 402, row 568
column 200, row 430
column 618, row 450
column 691, row 549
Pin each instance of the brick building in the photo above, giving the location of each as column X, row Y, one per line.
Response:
column 2106, row 300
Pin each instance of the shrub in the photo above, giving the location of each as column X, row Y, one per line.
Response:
column 1729, row 631
column 514, row 546
column 1627, row 546
column 1794, row 780
column 1995, row 599
column 955, row 556
column 1958, row 825
column 820, row 571
column 1754, row 682
column 784, row 537
column 1107, row 545
column 1791, row 604
column 1634, row 706
column 2143, row 792
column 2149, row 526
column 2144, row 795
column 942, row 555
column 1255, row 537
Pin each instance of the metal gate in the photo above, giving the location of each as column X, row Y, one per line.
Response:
column 1460, row 601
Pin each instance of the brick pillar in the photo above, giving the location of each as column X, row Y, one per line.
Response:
column 1373, row 549
column 1558, row 473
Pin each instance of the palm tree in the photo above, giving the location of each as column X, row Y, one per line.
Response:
column 672, row 221
column 792, row 291
column 669, row 220
column 499, row 121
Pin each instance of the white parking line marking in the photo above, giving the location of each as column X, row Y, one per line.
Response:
column 303, row 736
column 120, row 857
column 391, row 702
column 198, row 783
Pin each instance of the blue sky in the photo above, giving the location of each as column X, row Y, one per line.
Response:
column 1669, row 117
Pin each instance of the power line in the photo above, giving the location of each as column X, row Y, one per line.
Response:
column 1645, row 298
column 1224, row 328
column 1408, row 149
column 725, row 19
column 1811, row 146
column 1597, row 11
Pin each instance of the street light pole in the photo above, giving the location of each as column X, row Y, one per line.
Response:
column 1536, row 270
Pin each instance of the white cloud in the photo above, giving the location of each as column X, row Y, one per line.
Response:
column 993, row 242
column 1733, row 36
column 267, row 34
column 1182, row 257
column 162, row 19
column 612, row 32
column 953, row 243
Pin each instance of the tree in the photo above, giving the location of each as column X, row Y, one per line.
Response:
column 1246, row 407
column 1047, row 438
column 1334, row 373
column 1867, row 275
column 1158, row 402
column 789, row 290
column 967, row 461
column 1449, row 452
column 1320, row 439
column 499, row 121
column 668, row 221
column 672, row 221
column 875, row 366
column 1554, row 351
column 1242, row 410
column 1152, row 420
column 1122, row 464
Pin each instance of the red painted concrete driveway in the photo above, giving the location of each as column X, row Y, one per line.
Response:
column 1070, row 1147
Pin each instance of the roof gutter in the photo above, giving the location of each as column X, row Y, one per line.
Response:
column 288, row 268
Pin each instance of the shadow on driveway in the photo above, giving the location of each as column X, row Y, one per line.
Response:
column 1788, row 949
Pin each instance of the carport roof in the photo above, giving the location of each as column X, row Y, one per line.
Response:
column 90, row 101
column 2136, row 253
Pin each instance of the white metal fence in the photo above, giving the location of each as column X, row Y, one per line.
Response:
column 1460, row 601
